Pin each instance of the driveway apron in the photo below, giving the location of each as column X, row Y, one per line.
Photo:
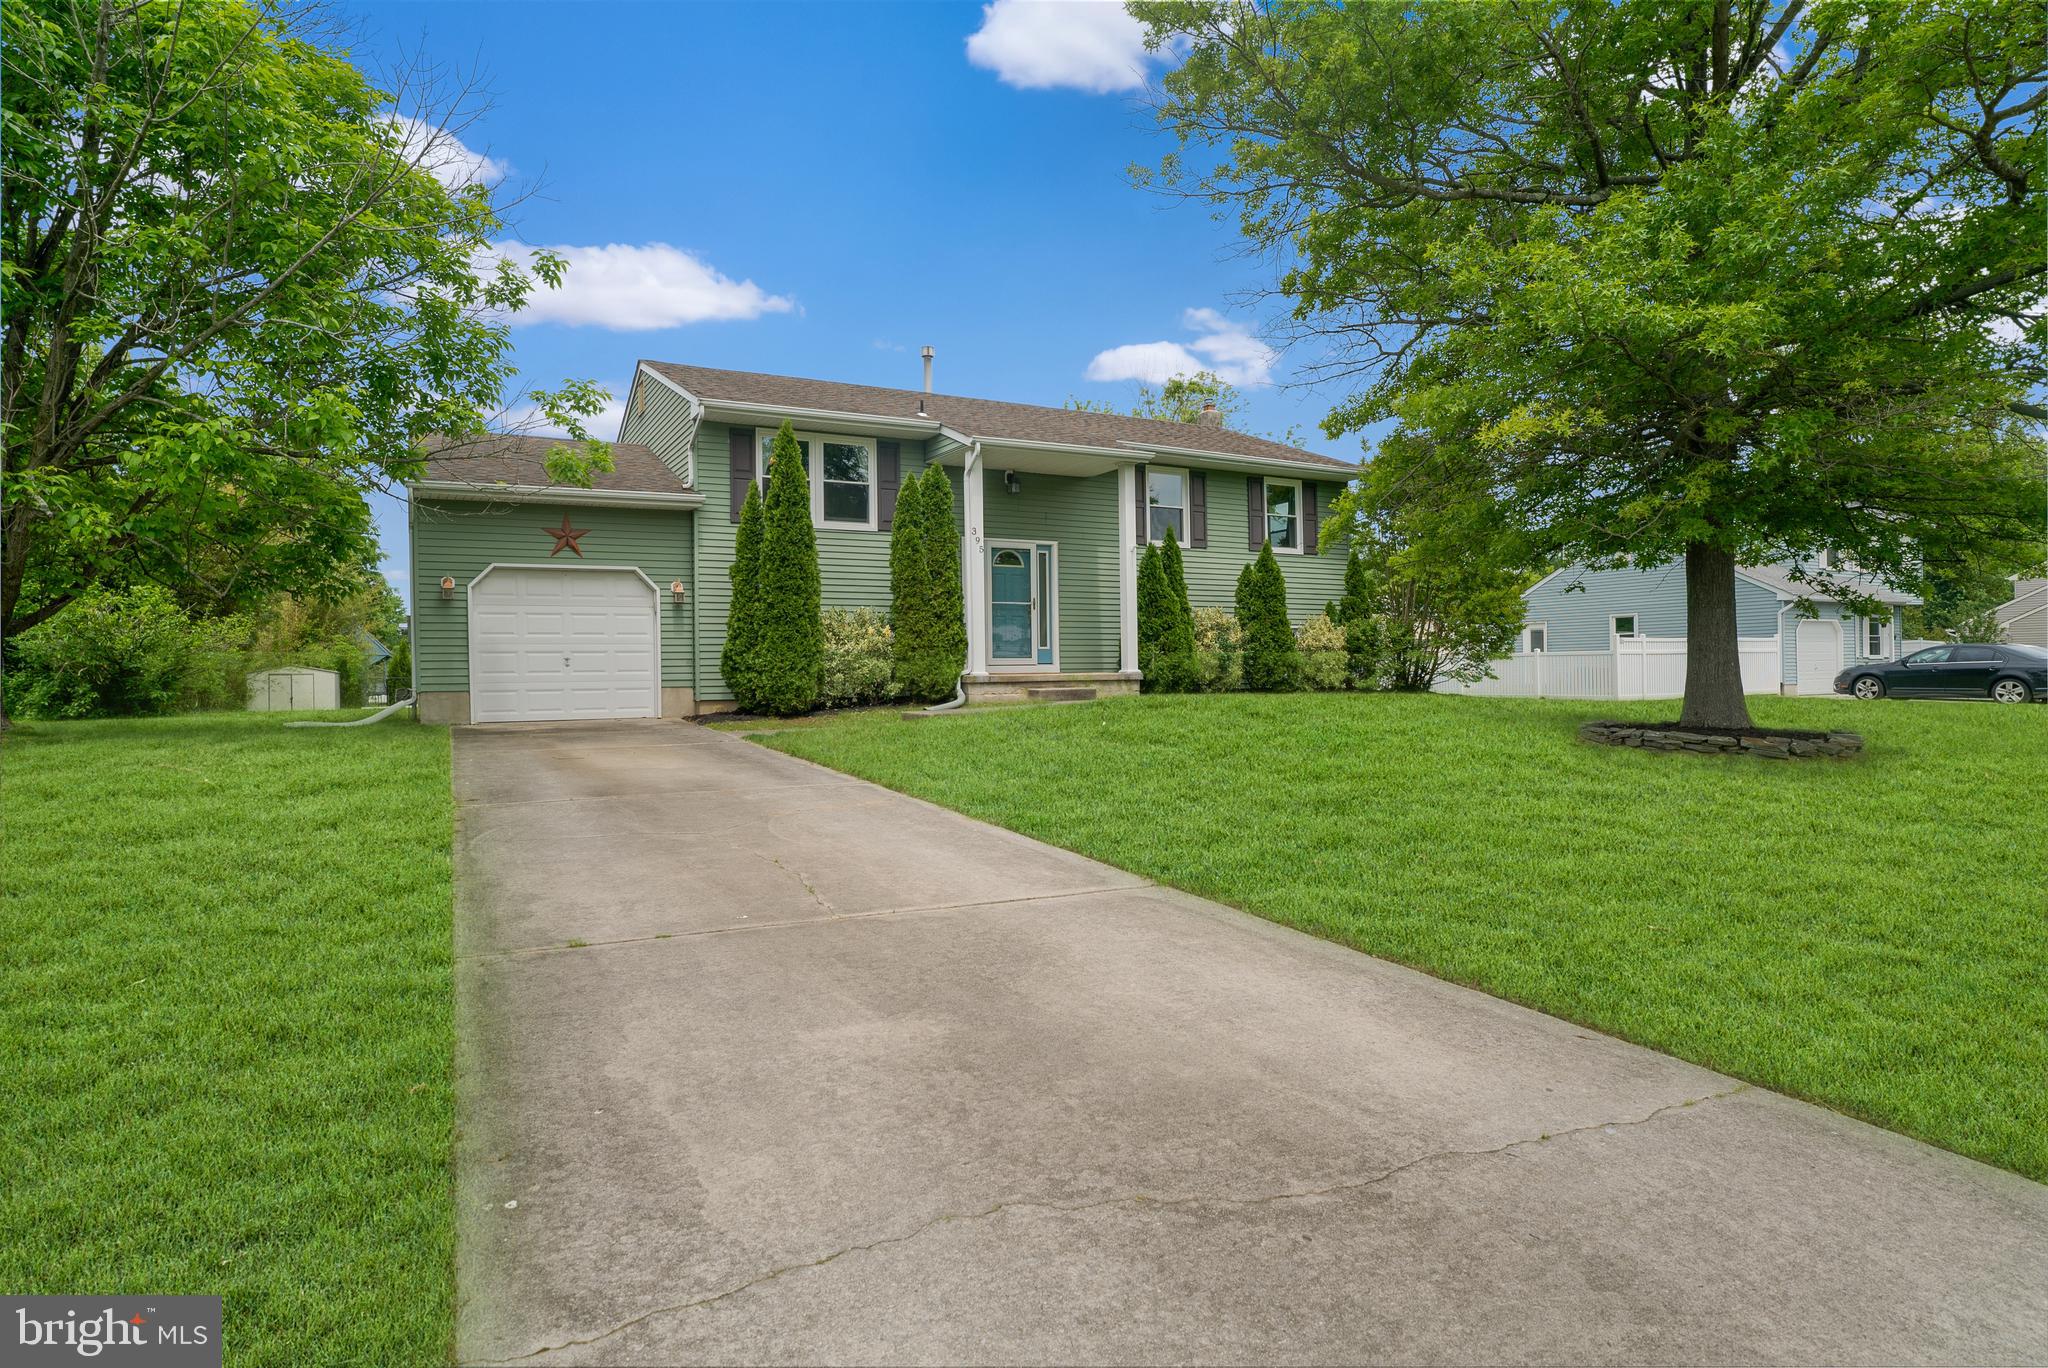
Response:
column 762, row 1063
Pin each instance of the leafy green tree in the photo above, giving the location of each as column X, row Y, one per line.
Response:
column 912, row 612
column 942, row 568
column 238, row 293
column 398, row 670
column 743, row 617
column 1727, row 281
column 1272, row 662
column 787, row 660
column 1182, row 399
column 1443, row 586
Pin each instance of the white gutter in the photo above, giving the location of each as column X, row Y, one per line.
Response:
column 567, row 494
column 1233, row 461
column 726, row 409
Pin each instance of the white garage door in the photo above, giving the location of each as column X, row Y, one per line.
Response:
column 554, row 644
column 1820, row 655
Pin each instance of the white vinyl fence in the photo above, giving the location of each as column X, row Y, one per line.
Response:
column 1635, row 667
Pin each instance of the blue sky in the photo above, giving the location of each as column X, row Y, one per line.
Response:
column 820, row 189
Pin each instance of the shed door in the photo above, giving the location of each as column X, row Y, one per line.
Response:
column 1820, row 654
column 549, row 644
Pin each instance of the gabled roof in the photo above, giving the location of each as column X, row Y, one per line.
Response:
column 990, row 420
column 1779, row 581
column 521, row 463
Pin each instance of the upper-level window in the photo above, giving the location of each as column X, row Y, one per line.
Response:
column 842, row 475
column 1283, row 515
column 1166, row 495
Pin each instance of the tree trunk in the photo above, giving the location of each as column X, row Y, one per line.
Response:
column 1713, row 651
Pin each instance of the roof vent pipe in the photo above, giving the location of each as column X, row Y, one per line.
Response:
column 926, row 353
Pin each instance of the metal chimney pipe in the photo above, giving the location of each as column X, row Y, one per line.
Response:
column 926, row 353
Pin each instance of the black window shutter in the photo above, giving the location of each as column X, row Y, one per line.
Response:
column 1311, row 521
column 1144, row 510
column 742, row 467
column 1198, row 510
column 1255, row 506
column 888, row 456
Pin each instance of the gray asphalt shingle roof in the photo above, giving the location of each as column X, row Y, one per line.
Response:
column 991, row 419
column 496, row 459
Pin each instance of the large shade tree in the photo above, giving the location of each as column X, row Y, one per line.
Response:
column 1724, row 280
column 242, row 282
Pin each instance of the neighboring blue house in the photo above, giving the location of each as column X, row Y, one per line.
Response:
column 1621, row 633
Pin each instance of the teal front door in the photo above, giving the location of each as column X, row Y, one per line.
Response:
column 1020, row 608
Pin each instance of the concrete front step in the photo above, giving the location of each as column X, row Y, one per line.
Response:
column 1060, row 695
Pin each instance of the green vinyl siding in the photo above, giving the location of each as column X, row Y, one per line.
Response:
column 459, row 538
column 1081, row 516
column 853, row 567
column 1212, row 571
column 659, row 419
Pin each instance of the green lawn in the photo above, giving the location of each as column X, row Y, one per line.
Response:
column 225, row 1011
column 1871, row 934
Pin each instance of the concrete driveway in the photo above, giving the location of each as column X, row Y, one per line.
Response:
column 761, row 1063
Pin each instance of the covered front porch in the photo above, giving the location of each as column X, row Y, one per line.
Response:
column 1049, row 559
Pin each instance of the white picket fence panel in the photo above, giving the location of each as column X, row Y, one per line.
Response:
column 1637, row 667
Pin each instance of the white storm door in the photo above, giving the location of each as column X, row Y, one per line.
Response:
column 562, row 644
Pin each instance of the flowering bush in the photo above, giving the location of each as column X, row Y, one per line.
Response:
column 1219, row 650
column 857, row 658
column 1323, row 662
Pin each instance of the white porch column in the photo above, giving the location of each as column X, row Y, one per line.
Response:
column 974, row 562
column 1127, row 566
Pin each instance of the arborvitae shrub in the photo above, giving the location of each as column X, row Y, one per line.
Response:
column 789, row 658
column 743, row 619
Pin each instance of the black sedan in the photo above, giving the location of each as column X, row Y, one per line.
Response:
column 2004, row 674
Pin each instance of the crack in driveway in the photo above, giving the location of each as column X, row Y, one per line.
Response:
column 1133, row 1199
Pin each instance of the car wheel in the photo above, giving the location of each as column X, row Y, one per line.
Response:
column 2011, row 691
column 1869, row 686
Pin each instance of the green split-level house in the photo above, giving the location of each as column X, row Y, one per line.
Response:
column 535, row 601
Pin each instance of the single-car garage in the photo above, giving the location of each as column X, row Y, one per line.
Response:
column 534, row 601
column 558, row 642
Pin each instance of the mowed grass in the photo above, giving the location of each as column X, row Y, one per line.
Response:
column 1870, row 934
column 225, row 1011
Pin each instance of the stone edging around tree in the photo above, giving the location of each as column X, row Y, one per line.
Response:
column 1765, row 745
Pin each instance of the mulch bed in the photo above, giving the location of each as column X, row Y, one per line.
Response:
column 1767, row 743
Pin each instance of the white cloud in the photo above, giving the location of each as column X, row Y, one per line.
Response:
column 1092, row 45
column 633, row 289
column 451, row 161
column 1226, row 348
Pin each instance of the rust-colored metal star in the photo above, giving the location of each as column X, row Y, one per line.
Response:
column 565, row 537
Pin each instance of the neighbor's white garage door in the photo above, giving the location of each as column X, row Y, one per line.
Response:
column 554, row 644
column 1819, row 645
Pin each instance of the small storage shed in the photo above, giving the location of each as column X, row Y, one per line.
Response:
column 294, row 688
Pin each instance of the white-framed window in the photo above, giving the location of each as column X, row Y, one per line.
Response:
column 1536, row 637
column 1876, row 637
column 1283, row 515
column 1166, row 501
column 842, row 475
column 1625, row 624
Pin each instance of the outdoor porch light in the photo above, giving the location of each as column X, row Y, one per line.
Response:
column 1011, row 482
column 447, row 586
column 675, row 588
